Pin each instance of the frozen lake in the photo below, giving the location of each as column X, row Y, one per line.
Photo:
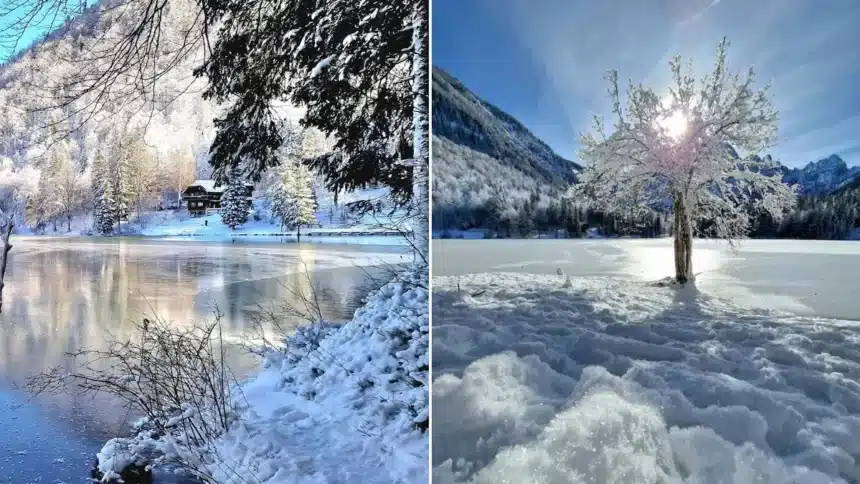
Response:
column 803, row 277
column 64, row 294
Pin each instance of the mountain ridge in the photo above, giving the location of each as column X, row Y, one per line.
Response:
column 458, row 114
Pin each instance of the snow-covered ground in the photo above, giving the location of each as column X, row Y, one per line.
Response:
column 336, row 223
column 346, row 404
column 610, row 378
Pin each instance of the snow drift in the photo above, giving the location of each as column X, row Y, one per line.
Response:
column 629, row 382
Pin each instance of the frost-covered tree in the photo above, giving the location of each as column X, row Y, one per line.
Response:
column 420, row 84
column 182, row 172
column 7, row 223
column 286, row 209
column 64, row 186
column 234, row 200
column 361, row 70
column 16, row 186
column 347, row 62
column 680, row 149
column 103, row 193
column 136, row 176
column 293, row 198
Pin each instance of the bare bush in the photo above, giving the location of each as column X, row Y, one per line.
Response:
column 174, row 377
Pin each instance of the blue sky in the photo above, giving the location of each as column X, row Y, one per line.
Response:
column 42, row 25
column 543, row 60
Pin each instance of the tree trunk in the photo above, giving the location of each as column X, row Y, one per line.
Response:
column 683, row 235
column 298, row 232
column 69, row 223
column 421, row 130
column 5, row 247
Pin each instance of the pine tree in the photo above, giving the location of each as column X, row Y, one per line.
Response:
column 290, row 214
column 123, row 171
column 103, row 196
column 293, row 201
column 234, row 200
column 351, row 64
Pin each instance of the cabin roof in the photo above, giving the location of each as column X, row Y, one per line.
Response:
column 208, row 185
column 211, row 187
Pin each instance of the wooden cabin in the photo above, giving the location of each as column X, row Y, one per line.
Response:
column 203, row 195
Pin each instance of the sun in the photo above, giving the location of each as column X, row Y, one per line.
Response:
column 675, row 125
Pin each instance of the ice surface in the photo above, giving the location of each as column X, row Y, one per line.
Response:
column 622, row 381
column 815, row 278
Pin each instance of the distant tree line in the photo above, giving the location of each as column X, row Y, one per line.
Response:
column 824, row 217
column 562, row 217
column 829, row 217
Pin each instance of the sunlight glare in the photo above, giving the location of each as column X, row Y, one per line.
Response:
column 675, row 125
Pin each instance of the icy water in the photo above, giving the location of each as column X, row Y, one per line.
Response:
column 817, row 278
column 64, row 294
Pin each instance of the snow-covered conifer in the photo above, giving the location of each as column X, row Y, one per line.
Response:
column 234, row 200
column 293, row 198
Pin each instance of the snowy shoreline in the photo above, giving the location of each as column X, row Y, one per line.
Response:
column 358, row 389
column 165, row 226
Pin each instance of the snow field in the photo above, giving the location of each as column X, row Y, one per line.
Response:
column 612, row 381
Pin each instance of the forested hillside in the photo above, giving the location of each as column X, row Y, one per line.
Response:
column 489, row 170
column 100, row 158
column 53, row 142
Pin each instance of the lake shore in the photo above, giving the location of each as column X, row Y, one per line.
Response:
column 65, row 293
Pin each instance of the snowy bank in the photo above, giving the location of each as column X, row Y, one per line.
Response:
column 343, row 404
column 609, row 380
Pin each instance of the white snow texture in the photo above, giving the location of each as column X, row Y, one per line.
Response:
column 612, row 381
column 345, row 404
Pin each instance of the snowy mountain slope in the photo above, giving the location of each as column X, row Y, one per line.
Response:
column 464, row 118
column 177, row 119
column 485, row 161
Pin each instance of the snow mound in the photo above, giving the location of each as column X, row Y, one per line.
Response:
column 627, row 382
column 344, row 403
column 340, row 404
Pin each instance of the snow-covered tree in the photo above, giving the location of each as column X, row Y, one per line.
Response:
column 680, row 148
column 103, row 193
column 7, row 223
column 358, row 67
column 63, row 185
column 136, row 175
column 420, row 84
column 293, row 198
column 16, row 186
column 183, row 171
column 234, row 200
column 349, row 63
column 287, row 210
